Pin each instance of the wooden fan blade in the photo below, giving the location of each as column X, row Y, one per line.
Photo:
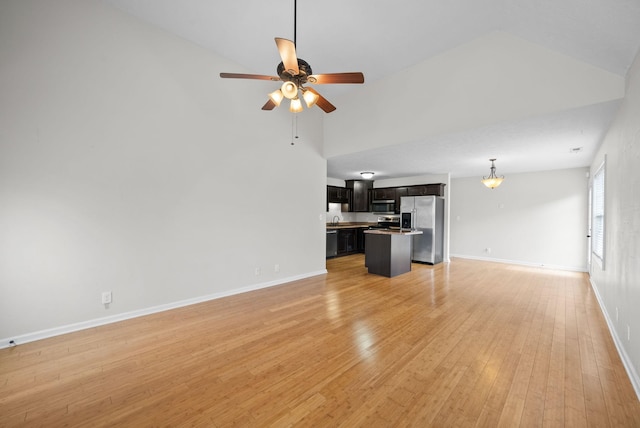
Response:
column 288, row 54
column 322, row 101
column 269, row 105
column 324, row 79
column 248, row 76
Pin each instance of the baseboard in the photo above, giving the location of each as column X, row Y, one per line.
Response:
column 70, row 328
column 626, row 361
column 521, row 263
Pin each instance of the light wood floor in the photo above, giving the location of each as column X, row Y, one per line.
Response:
column 462, row 344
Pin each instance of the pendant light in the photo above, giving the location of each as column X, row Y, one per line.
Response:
column 492, row 181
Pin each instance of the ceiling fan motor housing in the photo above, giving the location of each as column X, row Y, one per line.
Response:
column 301, row 77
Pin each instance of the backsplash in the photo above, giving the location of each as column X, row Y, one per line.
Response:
column 336, row 210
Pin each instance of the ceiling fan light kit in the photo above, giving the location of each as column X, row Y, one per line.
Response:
column 367, row 175
column 295, row 73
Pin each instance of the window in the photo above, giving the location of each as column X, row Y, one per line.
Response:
column 598, row 231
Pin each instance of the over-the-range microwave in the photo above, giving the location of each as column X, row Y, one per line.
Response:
column 387, row 206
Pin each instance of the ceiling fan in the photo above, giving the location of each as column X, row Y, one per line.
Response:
column 296, row 73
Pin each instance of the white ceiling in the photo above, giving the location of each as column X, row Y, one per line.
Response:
column 381, row 37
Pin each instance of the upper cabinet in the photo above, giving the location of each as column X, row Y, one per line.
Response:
column 426, row 190
column 360, row 194
column 384, row 193
column 390, row 194
column 338, row 195
column 400, row 192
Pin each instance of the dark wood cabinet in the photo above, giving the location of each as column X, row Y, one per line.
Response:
column 350, row 240
column 360, row 194
column 361, row 236
column 384, row 193
column 337, row 195
column 347, row 241
column 390, row 193
column 426, row 190
column 400, row 192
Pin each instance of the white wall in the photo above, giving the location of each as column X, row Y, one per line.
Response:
column 126, row 164
column 618, row 284
column 536, row 219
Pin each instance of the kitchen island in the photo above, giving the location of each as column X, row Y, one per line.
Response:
column 388, row 252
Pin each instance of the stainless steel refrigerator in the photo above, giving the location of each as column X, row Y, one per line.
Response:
column 424, row 213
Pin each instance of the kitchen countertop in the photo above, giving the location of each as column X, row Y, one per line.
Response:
column 393, row 232
column 349, row 225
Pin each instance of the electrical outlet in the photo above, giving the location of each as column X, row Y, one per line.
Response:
column 616, row 314
column 106, row 297
column 257, row 271
column 488, row 250
column 628, row 333
column 276, row 268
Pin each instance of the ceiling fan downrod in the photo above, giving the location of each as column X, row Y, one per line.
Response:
column 295, row 21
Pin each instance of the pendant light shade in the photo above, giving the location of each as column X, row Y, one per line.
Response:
column 492, row 181
column 276, row 96
column 289, row 90
column 296, row 105
column 309, row 97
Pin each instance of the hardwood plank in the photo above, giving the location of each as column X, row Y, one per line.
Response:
column 574, row 398
column 554, row 405
column 466, row 343
column 533, row 411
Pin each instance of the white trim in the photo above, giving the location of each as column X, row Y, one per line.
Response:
column 626, row 360
column 521, row 263
column 70, row 328
column 600, row 172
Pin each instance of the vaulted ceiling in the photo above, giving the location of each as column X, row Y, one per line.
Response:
column 387, row 40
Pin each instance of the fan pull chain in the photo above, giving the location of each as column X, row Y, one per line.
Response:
column 294, row 128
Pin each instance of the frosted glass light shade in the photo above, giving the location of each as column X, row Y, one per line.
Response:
column 296, row 106
column 310, row 98
column 289, row 90
column 276, row 96
column 492, row 183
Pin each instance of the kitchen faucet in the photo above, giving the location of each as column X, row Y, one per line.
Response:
column 334, row 221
